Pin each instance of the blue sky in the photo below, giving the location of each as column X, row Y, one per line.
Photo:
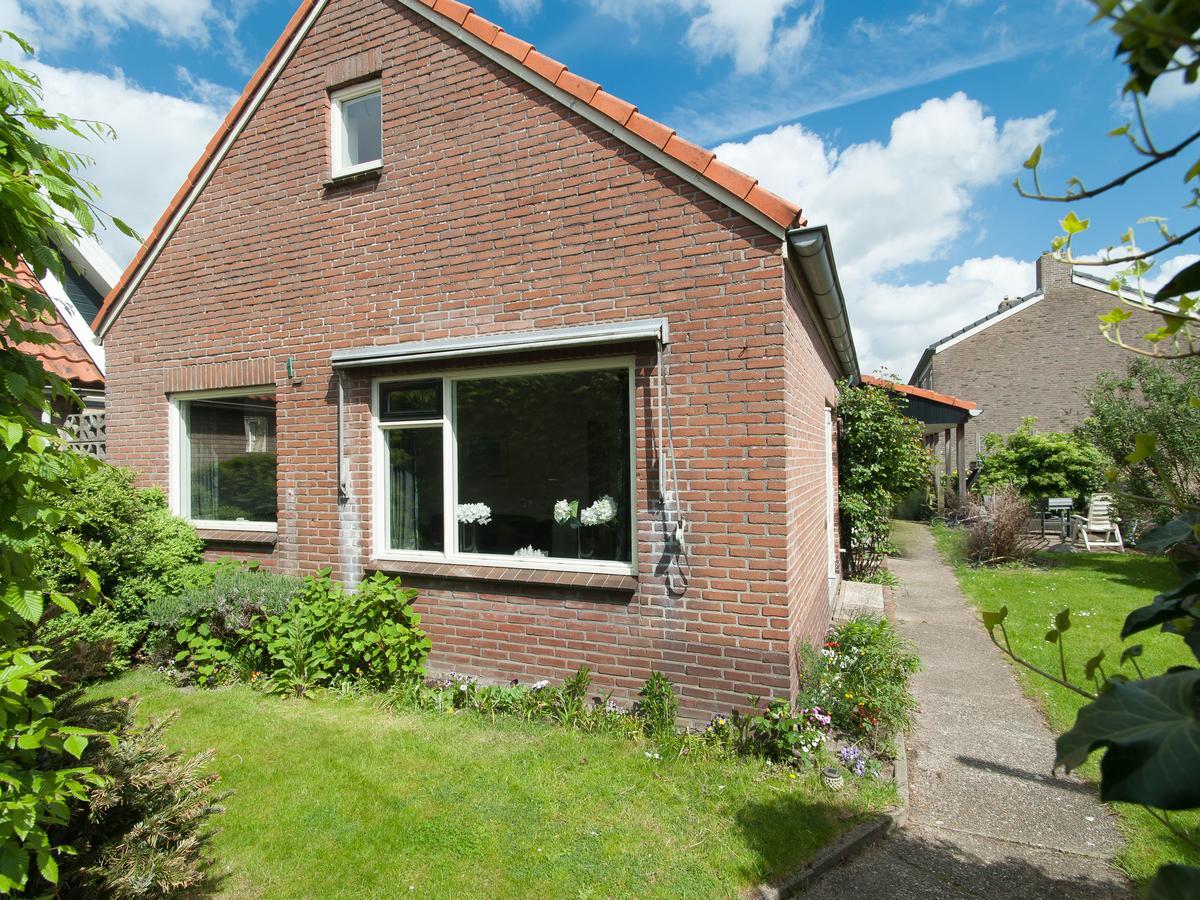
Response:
column 900, row 124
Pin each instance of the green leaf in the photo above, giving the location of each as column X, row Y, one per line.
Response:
column 26, row 604
column 1052, row 636
column 1072, row 224
column 1131, row 653
column 1034, row 158
column 48, row 866
column 1174, row 604
column 1174, row 882
column 1159, row 539
column 1144, row 446
column 1151, row 737
column 992, row 620
column 75, row 744
column 1185, row 281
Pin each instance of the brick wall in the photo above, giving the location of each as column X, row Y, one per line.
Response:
column 1038, row 362
column 499, row 209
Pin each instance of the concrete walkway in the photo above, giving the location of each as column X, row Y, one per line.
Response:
column 986, row 818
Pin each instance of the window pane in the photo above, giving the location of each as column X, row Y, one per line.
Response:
column 527, row 442
column 415, row 489
column 362, row 131
column 406, row 400
column 231, row 451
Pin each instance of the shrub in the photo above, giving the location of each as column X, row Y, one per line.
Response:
column 657, row 706
column 1153, row 398
column 882, row 459
column 859, row 679
column 140, row 552
column 327, row 635
column 998, row 532
column 1046, row 464
column 145, row 831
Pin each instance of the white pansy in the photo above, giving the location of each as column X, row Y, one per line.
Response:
column 473, row 513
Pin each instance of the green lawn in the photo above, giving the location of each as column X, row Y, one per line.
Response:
column 336, row 797
column 1100, row 589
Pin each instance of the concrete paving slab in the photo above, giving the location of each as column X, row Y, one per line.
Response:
column 986, row 818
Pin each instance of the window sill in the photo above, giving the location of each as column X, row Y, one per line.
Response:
column 509, row 574
column 236, row 536
column 369, row 174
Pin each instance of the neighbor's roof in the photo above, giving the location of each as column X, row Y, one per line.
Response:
column 457, row 18
column 909, row 390
column 66, row 357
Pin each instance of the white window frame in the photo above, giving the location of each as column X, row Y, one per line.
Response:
column 380, row 508
column 336, row 101
column 179, row 454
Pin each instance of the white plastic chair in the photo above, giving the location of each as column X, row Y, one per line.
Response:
column 1099, row 529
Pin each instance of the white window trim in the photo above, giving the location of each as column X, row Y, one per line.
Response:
column 380, row 513
column 336, row 99
column 178, row 449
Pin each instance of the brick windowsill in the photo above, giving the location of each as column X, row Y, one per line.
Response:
column 540, row 577
column 235, row 536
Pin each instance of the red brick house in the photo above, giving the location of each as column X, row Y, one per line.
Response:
column 432, row 304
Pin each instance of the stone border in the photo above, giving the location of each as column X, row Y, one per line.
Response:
column 846, row 846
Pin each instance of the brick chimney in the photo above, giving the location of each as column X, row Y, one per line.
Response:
column 1051, row 271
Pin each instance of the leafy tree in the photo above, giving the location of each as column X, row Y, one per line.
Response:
column 1152, row 398
column 43, row 203
column 1041, row 464
column 1148, row 729
column 882, row 459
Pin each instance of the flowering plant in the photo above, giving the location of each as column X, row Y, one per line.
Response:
column 473, row 513
column 602, row 512
column 565, row 511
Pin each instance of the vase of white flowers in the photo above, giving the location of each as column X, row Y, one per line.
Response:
column 470, row 516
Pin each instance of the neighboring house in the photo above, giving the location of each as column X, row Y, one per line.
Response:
column 423, row 267
column 1034, row 356
column 76, row 355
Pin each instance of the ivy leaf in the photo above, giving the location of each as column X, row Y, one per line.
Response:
column 1062, row 621
column 1150, row 735
column 1144, row 446
column 1164, row 608
column 1159, row 539
column 1186, row 281
column 1072, row 224
column 991, row 620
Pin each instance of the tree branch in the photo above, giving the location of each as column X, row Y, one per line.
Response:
column 1116, row 182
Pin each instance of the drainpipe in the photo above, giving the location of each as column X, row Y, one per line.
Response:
column 812, row 252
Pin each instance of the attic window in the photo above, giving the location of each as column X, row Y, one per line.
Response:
column 357, row 120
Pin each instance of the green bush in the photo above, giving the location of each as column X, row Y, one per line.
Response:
column 1041, row 464
column 370, row 636
column 859, row 679
column 882, row 459
column 140, row 552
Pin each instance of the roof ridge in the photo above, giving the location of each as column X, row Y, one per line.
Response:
column 704, row 162
column 1037, row 292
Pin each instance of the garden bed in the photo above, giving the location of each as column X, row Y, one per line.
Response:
column 1100, row 589
column 337, row 796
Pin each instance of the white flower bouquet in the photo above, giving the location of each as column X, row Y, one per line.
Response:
column 602, row 512
column 473, row 513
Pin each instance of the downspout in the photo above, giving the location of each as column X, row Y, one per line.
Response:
column 812, row 253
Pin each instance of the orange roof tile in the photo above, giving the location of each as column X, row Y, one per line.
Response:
column 745, row 188
column 66, row 357
column 914, row 391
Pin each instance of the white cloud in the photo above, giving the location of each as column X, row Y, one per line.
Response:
column 1170, row 91
column 753, row 33
column 901, row 203
column 522, row 9
column 53, row 24
column 159, row 138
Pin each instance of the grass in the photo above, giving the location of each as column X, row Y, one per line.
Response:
column 1100, row 589
column 336, row 797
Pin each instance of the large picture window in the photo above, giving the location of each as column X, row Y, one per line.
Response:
column 224, row 459
column 518, row 467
